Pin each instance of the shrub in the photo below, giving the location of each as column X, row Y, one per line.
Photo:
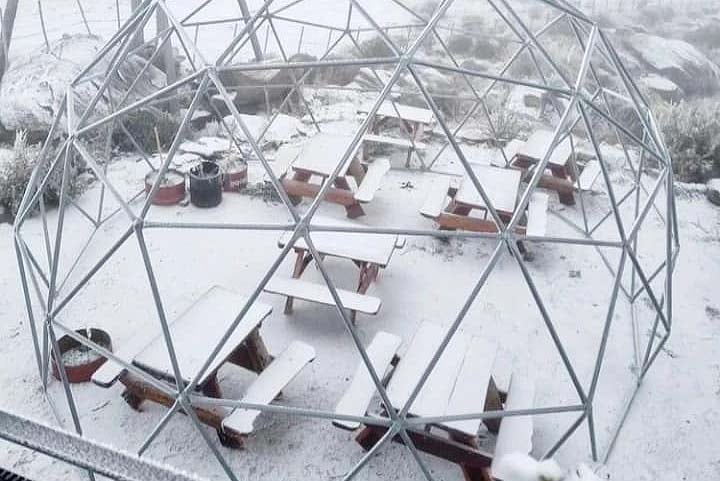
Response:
column 691, row 130
column 487, row 49
column 507, row 124
column 460, row 44
column 15, row 173
column 375, row 48
column 142, row 123
column 523, row 66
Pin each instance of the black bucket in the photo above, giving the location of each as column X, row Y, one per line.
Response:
column 205, row 184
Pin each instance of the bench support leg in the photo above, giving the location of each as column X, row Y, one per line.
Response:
column 213, row 418
column 301, row 262
column 473, row 461
column 300, row 177
column 368, row 275
column 354, row 210
column 259, row 355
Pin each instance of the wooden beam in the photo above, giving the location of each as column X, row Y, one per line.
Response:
column 305, row 189
column 445, row 448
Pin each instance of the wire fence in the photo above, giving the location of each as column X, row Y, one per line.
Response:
column 42, row 22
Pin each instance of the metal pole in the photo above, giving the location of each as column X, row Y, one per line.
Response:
column 253, row 36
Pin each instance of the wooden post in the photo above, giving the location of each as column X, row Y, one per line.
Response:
column 166, row 55
column 7, row 24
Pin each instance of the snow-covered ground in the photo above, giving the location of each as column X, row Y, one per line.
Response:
column 667, row 432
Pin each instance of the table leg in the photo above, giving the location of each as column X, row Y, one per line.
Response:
column 368, row 275
column 417, row 131
column 211, row 387
column 300, row 177
column 357, row 171
column 566, row 198
column 353, row 210
column 258, row 353
column 301, row 262
column 493, row 402
column 144, row 391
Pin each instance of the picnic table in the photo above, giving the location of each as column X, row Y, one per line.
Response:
column 460, row 383
column 195, row 333
column 416, row 121
column 500, row 185
column 319, row 157
column 565, row 173
column 369, row 252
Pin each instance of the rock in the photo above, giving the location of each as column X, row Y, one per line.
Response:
column 713, row 191
column 665, row 88
column 282, row 129
column 205, row 147
column 676, row 60
column 34, row 86
column 251, row 86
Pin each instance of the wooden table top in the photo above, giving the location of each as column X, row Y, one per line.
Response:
column 198, row 330
column 321, row 154
column 373, row 248
column 458, row 383
column 537, row 144
column 500, row 185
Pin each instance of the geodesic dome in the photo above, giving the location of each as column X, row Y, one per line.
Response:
column 588, row 340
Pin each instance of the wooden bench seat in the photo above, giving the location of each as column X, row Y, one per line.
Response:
column 515, row 435
column 589, row 175
column 359, row 393
column 537, row 214
column 435, row 200
column 284, row 158
column 320, row 293
column 403, row 143
column 267, row 386
column 111, row 370
column 372, row 179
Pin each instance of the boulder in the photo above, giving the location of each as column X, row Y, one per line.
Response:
column 252, row 86
column 713, row 191
column 665, row 88
column 676, row 60
column 34, row 85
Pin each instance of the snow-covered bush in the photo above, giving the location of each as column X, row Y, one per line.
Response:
column 142, row 123
column 375, row 48
column 461, row 44
column 692, row 134
column 16, row 169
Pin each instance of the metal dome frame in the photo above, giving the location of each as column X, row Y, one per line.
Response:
column 70, row 124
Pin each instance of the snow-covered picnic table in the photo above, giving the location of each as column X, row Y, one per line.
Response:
column 416, row 122
column 370, row 252
column 461, row 383
column 195, row 334
column 500, row 185
column 320, row 156
column 561, row 164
